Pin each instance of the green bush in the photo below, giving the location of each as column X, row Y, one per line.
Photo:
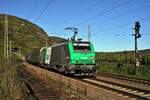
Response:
column 145, row 59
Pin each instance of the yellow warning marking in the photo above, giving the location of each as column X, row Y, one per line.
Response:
column 140, row 93
column 133, row 91
column 147, row 95
column 124, row 88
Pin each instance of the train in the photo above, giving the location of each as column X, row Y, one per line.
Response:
column 69, row 57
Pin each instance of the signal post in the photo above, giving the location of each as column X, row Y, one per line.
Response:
column 137, row 35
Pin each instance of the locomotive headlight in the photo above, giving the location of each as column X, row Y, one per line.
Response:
column 91, row 58
column 67, row 57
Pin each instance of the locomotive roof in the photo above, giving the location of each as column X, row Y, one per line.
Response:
column 66, row 42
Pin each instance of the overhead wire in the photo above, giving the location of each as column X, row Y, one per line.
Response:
column 107, row 11
column 34, row 6
column 91, row 7
column 118, row 16
column 121, row 25
column 122, row 14
column 84, row 11
column 103, row 13
column 43, row 11
column 120, row 35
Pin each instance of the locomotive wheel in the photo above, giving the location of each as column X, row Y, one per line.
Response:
column 61, row 69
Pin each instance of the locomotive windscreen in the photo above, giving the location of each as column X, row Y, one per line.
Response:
column 83, row 47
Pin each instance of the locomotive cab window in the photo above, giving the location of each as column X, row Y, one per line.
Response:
column 82, row 47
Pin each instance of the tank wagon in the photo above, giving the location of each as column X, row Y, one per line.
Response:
column 74, row 57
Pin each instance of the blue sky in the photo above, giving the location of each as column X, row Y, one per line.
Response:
column 111, row 26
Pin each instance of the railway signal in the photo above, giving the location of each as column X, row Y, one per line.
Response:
column 137, row 35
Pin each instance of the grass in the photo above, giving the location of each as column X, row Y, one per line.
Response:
column 8, row 81
column 65, row 90
column 142, row 71
column 11, row 85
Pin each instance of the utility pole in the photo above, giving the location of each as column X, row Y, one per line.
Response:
column 6, row 38
column 5, row 41
column 46, row 42
column 89, row 33
column 10, row 48
column 137, row 35
column 10, row 42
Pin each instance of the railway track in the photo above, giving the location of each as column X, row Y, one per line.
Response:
column 37, row 88
column 134, row 87
column 137, row 80
column 126, row 81
column 120, row 89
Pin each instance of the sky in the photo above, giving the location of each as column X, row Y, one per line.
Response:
column 111, row 21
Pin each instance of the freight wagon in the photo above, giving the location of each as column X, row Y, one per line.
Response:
column 68, row 57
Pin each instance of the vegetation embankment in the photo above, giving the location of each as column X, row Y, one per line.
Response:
column 122, row 63
column 24, row 35
column 12, row 86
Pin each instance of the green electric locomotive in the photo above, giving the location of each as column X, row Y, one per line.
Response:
column 74, row 57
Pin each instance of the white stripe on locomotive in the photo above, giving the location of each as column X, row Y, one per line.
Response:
column 48, row 55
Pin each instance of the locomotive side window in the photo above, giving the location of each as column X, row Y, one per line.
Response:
column 83, row 47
